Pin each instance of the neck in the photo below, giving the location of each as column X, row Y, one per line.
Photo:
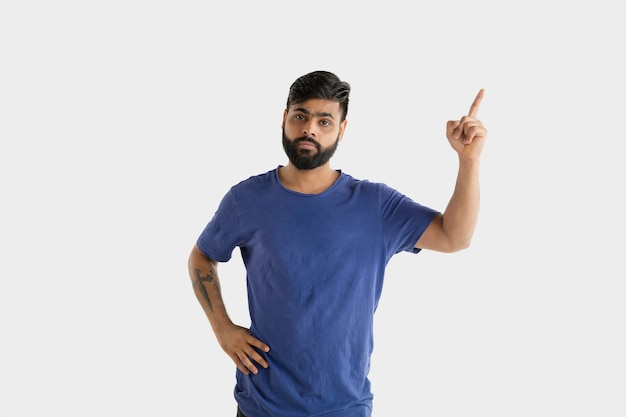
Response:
column 313, row 181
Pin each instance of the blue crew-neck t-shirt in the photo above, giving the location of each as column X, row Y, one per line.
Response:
column 315, row 265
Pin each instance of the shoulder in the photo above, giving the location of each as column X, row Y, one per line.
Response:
column 367, row 185
column 255, row 182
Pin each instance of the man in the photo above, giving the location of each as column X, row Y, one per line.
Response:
column 315, row 243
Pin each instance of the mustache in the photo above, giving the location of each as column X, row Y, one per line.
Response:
column 307, row 139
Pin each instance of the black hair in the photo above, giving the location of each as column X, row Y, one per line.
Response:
column 320, row 84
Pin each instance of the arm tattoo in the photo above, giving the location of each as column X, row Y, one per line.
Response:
column 199, row 280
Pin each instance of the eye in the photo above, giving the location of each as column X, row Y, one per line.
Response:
column 299, row 117
column 325, row 122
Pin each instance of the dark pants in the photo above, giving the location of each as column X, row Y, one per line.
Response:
column 239, row 413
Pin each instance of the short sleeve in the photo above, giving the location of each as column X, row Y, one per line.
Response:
column 221, row 235
column 404, row 220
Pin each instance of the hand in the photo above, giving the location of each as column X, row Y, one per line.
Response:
column 467, row 136
column 239, row 344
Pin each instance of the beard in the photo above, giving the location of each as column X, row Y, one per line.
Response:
column 305, row 159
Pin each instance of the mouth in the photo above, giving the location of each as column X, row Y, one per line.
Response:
column 305, row 144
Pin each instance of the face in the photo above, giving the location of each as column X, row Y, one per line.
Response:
column 311, row 132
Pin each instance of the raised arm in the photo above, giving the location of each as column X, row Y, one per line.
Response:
column 235, row 340
column 453, row 230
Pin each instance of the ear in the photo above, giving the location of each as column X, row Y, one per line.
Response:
column 342, row 128
column 282, row 125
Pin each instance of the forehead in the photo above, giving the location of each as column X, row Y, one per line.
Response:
column 317, row 106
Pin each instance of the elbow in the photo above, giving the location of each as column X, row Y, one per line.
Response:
column 446, row 237
column 459, row 245
column 462, row 247
column 460, row 239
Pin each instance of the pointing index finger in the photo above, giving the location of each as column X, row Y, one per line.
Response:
column 474, row 107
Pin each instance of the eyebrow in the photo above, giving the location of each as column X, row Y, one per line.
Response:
column 319, row 114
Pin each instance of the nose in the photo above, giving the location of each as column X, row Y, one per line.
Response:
column 309, row 128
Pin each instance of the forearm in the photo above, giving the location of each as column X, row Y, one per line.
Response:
column 235, row 340
column 206, row 286
column 461, row 215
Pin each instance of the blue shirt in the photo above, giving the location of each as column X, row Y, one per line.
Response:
column 315, row 265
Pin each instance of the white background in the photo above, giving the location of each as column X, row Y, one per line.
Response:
column 123, row 123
